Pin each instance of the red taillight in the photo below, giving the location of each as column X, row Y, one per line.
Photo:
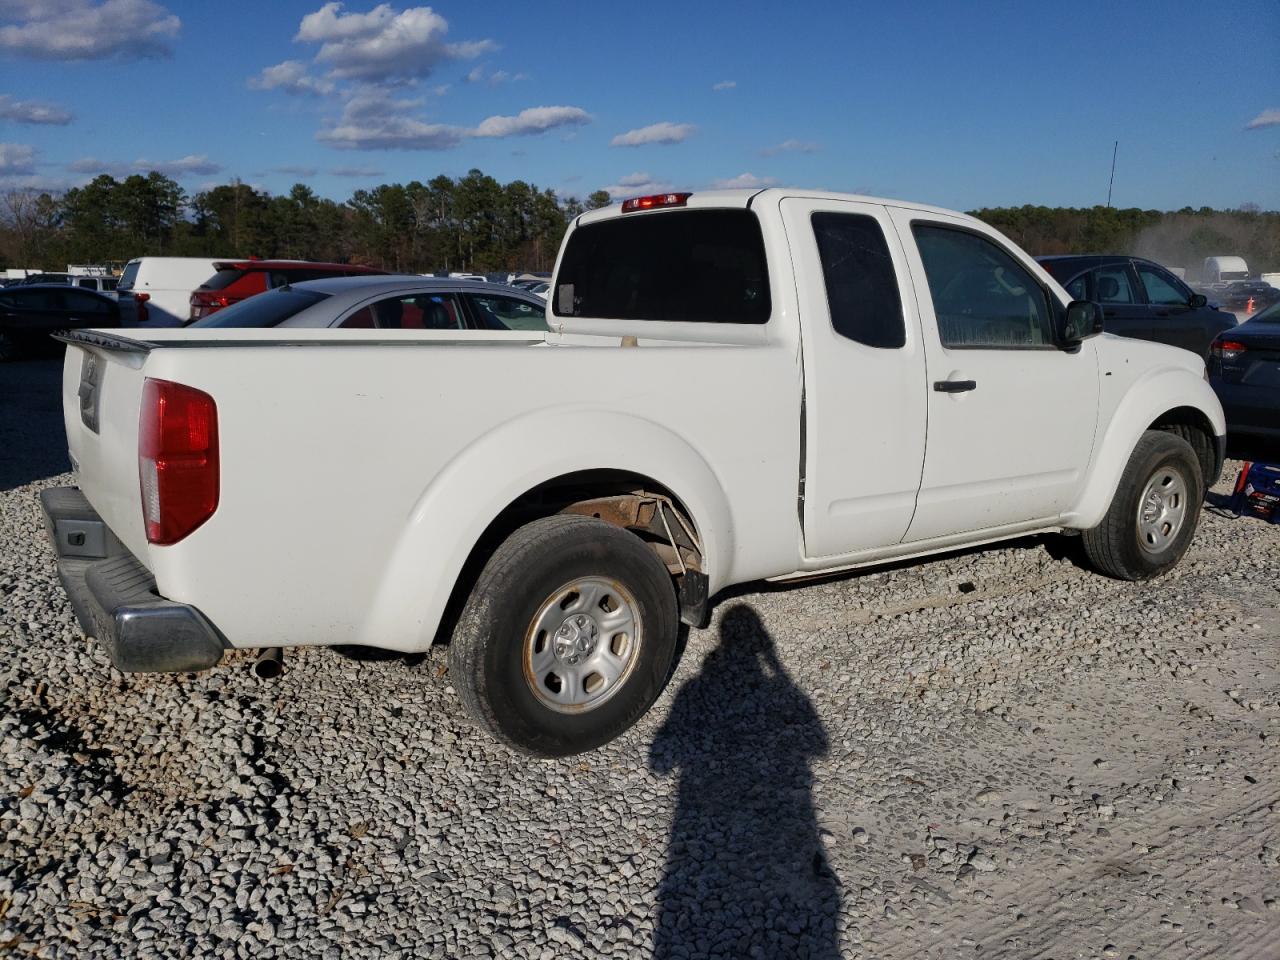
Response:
column 1227, row 349
column 177, row 459
column 140, row 304
column 204, row 302
column 655, row 201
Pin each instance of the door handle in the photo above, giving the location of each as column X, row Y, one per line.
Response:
column 954, row 386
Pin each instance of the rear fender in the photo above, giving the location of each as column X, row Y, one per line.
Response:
column 1145, row 401
column 461, row 501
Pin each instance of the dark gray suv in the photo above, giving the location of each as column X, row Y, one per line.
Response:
column 1141, row 299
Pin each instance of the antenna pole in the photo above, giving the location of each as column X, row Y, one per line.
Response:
column 1114, row 150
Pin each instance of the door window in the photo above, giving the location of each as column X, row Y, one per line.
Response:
column 507, row 313
column 78, row 302
column 1161, row 287
column 1076, row 288
column 1112, row 285
column 862, row 288
column 982, row 297
column 415, row 312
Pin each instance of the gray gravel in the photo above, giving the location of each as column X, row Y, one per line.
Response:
column 994, row 753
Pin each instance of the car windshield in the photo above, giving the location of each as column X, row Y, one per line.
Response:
column 268, row 309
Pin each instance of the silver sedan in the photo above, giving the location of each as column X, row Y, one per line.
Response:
column 382, row 302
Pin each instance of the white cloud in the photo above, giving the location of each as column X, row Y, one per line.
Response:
column 530, row 121
column 291, row 76
column 374, row 120
column 495, row 79
column 17, row 158
column 664, row 132
column 384, row 45
column 85, row 30
column 790, row 146
column 636, row 185
column 356, row 172
column 725, row 85
column 1267, row 118
column 32, row 111
column 747, row 180
column 190, row 165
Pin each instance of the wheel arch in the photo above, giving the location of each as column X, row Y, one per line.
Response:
column 1170, row 399
column 512, row 476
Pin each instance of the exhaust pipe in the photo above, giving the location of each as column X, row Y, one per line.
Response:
column 269, row 663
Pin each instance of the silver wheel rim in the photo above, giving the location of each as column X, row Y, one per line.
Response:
column 582, row 644
column 1162, row 510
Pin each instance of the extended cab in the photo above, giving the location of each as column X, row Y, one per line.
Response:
column 737, row 385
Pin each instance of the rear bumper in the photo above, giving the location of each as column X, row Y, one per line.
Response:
column 114, row 596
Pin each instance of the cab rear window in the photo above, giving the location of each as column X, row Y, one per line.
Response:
column 691, row 266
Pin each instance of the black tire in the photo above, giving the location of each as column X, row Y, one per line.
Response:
column 1115, row 546
column 487, row 653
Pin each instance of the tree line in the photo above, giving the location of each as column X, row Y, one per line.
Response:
column 471, row 223
column 474, row 223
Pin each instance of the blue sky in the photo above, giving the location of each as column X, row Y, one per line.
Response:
column 962, row 105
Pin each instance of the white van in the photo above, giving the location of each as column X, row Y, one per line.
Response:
column 1224, row 269
column 156, row 291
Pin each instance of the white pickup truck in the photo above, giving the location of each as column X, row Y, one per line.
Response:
column 736, row 385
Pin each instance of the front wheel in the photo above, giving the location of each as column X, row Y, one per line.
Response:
column 1153, row 513
column 567, row 637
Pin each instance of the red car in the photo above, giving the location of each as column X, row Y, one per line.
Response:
column 238, row 280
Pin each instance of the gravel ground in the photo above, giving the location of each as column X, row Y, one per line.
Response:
column 994, row 753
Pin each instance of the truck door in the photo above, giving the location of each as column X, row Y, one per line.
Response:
column 865, row 399
column 1011, row 415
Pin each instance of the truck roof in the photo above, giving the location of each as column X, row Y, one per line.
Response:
column 742, row 198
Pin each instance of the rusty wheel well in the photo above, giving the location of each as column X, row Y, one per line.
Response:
column 624, row 499
column 1194, row 427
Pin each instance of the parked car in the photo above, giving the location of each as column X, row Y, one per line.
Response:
column 237, row 280
column 741, row 385
column 387, row 303
column 1244, row 371
column 29, row 313
column 1141, row 299
column 1247, row 296
column 99, row 284
column 156, row 291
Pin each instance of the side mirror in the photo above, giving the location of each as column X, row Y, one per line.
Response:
column 1197, row 301
column 1084, row 319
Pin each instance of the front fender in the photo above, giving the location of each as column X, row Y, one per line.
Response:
column 461, row 501
column 1144, row 402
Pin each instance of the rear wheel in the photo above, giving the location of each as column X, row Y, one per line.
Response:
column 1153, row 513
column 567, row 637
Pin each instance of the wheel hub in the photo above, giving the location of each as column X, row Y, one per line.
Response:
column 576, row 639
column 1162, row 509
column 582, row 644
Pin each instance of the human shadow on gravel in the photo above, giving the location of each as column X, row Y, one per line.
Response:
column 746, row 875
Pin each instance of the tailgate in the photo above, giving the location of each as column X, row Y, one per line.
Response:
column 102, row 382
